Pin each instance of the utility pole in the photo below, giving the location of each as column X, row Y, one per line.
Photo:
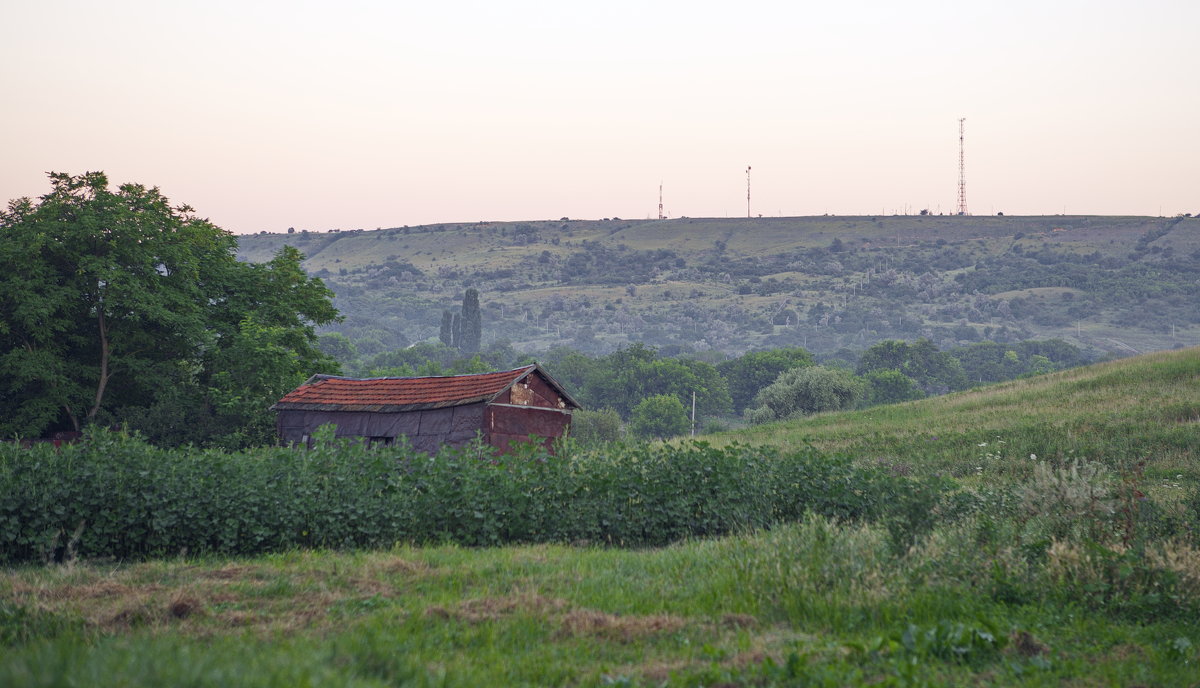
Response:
column 661, row 216
column 693, row 413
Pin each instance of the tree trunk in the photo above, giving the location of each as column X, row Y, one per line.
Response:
column 104, row 374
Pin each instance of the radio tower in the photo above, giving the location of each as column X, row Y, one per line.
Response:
column 962, row 172
column 661, row 216
column 747, row 191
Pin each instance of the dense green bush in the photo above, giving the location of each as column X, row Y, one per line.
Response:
column 115, row 496
column 660, row 416
column 803, row 391
column 601, row 425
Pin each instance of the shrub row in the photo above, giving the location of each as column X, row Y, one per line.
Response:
column 111, row 495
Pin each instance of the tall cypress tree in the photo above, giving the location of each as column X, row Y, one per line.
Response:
column 447, row 333
column 472, row 323
column 456, row 330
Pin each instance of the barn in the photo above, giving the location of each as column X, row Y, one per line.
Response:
column 430, row 412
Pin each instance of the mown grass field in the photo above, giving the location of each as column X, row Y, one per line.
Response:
column 1047, row 572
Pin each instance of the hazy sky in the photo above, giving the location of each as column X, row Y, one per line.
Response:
column 265, row 115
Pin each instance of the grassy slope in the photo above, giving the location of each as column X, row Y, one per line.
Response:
column 701, row 613
column 1146, row 407
column 481, row 245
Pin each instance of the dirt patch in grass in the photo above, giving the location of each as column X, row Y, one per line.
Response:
column 589, row 622
column 201, row 601
column 571, row 622
column 397, row 566
column 370, row 586
column 184, row 606
column 738, row 621
column 229, row 572
column 492, row 608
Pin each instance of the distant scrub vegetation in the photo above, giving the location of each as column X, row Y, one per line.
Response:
column 701, row 285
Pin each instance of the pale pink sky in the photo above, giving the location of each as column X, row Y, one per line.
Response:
column 266, row 115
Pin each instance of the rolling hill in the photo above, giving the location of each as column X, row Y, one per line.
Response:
column 1143, row 408
column 1120, row 285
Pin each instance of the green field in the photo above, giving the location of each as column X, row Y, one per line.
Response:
column 1077, row 568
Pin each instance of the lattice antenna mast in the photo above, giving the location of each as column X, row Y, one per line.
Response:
column 962, row 171
column 747, row 191
column 661, row 216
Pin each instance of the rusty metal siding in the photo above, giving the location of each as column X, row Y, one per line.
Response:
column 506, row 424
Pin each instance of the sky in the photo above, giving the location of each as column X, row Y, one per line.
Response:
column 322, row 115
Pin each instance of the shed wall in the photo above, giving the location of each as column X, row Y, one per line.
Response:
column 532, row 391
column 426, row 430
column 507, row 424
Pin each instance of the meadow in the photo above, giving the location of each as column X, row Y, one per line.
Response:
column 1039, row 532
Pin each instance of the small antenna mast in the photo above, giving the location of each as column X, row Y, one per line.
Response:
column 661, row 216
column 747, row 191
column 962, row 171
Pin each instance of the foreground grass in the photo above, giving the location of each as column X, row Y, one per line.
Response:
column 1144, row 408
column 810, row 604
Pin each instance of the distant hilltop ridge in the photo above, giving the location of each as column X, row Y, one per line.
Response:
column 1115, row 284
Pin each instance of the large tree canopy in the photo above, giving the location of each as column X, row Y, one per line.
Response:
column 113, row 303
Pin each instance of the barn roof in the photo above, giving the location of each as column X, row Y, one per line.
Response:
column 392, row 394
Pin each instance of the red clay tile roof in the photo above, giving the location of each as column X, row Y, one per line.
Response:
column 332, row 393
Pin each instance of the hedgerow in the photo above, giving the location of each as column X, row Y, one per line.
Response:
column 112, row 495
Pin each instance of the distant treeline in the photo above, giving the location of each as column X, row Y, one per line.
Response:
column 630, row 383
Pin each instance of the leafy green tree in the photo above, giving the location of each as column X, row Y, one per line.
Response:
column 803, row 391
column 626, row 376
column 596, row 427
column 572, row 369
column 108, row 298
column 467, row 366
column 1040, row 365
column 749, row 373
column 890, row 387
column 937, row 372
column 338, row 347
column 659, row 416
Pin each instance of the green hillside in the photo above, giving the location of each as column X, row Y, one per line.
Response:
column 1113, row 284
column 1118, row 413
